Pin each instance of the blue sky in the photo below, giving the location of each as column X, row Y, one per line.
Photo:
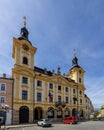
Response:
column 56, row 28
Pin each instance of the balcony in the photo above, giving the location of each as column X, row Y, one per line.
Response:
column 59, row 103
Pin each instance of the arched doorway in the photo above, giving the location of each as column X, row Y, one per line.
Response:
column 59, row 113
column 24, row 114
column 74, row 112
column 38, row 113
column 67, row 112
column 81, row 114
column 50, row 112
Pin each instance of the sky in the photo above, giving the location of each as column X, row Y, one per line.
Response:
column 56, row 28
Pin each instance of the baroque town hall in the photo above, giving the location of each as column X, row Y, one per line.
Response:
column 40, row 93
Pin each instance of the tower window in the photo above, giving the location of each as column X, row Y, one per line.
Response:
column 25, row 60
column 80, row 71
column 24, row 95
column 39, row 83
column 80, row 92
column 80, row 101
column 24, row 80
column 80, row 80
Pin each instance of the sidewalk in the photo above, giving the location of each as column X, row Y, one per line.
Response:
column 7, row 127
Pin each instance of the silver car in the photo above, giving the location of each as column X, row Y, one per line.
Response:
column 44, row 122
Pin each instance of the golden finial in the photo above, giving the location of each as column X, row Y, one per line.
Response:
column 24, row 21
column 74, row 52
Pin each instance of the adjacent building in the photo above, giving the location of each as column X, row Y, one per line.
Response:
column 6, row 99
column 41, row 93
column 101, row 112
column 89, row 109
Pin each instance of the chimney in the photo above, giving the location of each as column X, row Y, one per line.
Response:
column 4, row 75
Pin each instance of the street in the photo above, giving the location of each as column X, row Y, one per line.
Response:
column 89, row 125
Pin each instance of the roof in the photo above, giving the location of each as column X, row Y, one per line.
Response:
column 43, row 71
column 6, row 78
column 22, row 38
column 76, row 66
column 50, row 73
column 70, row 80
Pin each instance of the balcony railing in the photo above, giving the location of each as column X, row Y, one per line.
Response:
column 59, row 103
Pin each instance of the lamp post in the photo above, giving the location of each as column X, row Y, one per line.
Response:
column 5, row 108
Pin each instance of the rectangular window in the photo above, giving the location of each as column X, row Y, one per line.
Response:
column 3, row 88
column 86, row 107
column 59, row 98
column 50, row 86
column 24, row 80
column 50, row 97
column 66, row 89
column 39, row 96
column 24, row 95
column 2, row 99
column 59, row 88
column 80, row 92
column 73, row 90
column 81, row 101
column 67, row 99
column 39, row 83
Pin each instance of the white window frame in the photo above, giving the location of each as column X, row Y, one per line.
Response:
column 4, row 99
column 0, row 87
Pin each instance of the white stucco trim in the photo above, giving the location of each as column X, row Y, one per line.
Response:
column 28, row 88
column 20, row 88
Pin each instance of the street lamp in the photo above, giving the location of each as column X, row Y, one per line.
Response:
column 5, row 108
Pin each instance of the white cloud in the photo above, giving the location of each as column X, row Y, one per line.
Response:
column 95, row 90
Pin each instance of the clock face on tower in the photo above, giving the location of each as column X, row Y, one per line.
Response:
column 25, row 47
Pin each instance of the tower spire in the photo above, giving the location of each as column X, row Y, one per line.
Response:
column 24, row 32
column 75, row 60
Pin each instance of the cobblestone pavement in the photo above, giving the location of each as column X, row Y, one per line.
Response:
column 89, row 125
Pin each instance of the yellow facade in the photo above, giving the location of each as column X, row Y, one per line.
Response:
column 21, row 70
column 101, row 113
column 39, row 93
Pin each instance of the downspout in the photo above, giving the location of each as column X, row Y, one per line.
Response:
column 12, row 99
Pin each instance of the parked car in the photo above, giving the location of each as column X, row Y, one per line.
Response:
column 44, row 122
column 101, row 118
column 70, row 120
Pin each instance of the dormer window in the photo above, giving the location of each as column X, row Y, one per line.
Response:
column 25, row 60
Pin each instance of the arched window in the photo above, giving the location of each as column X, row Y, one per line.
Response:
column 25, row 60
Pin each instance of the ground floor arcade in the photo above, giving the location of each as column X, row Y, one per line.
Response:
column 25, row 115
